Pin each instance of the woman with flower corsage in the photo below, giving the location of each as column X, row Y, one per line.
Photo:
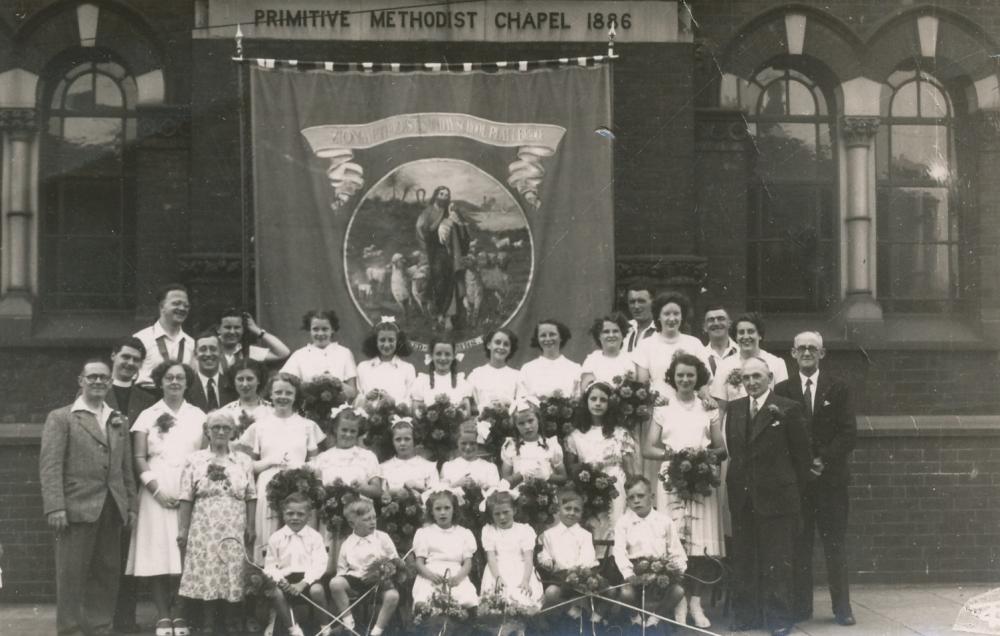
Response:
column 688, row 424
column 248, row 377
column 406, row 470
column 442, row 378
column 601, row 443
column 496, row 381
column 748, row 332
column 281, row 439
column 609, row 360
column 385, row 370
column 217, row 499
column 163, row 437
column 551, row 371
column 528, row 454
column 323, row 356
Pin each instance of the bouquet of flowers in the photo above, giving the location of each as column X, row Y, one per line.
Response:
column 691, row 473
column 582, row 580
column 389, row 572
column 400, row 517
column 654, row 572
column 537, row 503
column 468, row 513
column 635, row 401
column 337, row 496
column 164, row 423
column 597, row 488
column 438, row 428
column 243, row 422
column 256, row 583
column 319, row 396
column 556, row 413
column 496, row 608
column 494, row 427
column 381, row 409
column 441, row 608
column 304, row 480
column 215, row 472
column 117, row 421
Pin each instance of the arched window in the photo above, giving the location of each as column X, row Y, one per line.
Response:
column 791, row 254
column 918, row 225
column 87, row 234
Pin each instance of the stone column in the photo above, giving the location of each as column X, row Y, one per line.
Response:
column 983, row 226
column 861, row 312
column 19, row 129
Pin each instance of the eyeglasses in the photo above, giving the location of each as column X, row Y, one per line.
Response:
column 94, row 378
column 175, row 378
column 807, row 349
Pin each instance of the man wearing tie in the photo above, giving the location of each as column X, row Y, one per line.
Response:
column 129, row 400
column 640, row 307
column 165, row 339
column 769, row 465
column 832, row 430
column 88, row 495
column 211, row 389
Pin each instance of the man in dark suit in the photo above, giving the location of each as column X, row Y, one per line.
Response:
column 129, row 400
column 88, row 494
column 211, row 389
column 769, row 465
column 832, row 429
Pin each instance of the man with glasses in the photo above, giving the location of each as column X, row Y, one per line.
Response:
column 165, row 339
column 832, row 428
column 88, row 495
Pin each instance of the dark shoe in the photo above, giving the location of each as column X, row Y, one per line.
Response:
column 133, row 628
column 745, row 627
column 845, row 619
column 781, row 631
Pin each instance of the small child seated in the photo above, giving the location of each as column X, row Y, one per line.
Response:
column 644, row 532
column 567, row 545
column 296, row 559
column 468, row 469
column 358, row 553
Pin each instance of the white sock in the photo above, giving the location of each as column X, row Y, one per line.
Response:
column 376, row 631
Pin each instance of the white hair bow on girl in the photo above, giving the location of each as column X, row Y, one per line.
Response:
column 337, row 410
column 524, row 403
column 502, row 486
column 436, row 490
column 428, row 357
column 401, row 419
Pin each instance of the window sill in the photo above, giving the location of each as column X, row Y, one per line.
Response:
column 72, row 330
column 915, row 332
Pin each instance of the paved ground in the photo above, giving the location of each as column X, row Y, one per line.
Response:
column 881, row 610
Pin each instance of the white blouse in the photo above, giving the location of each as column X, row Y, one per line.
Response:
column 422, row 391
column 310, row 362
column 396, row 472
column 490, row 385
column 605, row 368
column 394, row 377
column 543, row 377
column 483, row 473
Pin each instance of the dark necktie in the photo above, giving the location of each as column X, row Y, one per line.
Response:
column 712, row 363
column 213, row 399
column 808, row 396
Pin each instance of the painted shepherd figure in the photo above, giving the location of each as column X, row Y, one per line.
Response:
column 444, row 237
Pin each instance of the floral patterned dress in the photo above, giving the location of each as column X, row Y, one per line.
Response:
column 219, row 487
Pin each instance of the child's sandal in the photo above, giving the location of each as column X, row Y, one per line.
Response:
column 181, row 628
column 164, row 628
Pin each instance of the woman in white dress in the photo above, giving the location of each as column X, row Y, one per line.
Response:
column 322, row 356
column 495, row 382
column 688, row 423
column 163, row 437
column 655, row 353
column 282, row 439
column 442, row 377
column 551, row 371
column 385, row 370
column 609, row 360
column 406, row 469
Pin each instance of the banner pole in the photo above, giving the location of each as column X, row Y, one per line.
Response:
column 246, row 293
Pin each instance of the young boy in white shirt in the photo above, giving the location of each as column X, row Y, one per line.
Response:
column 644, row 532
column 295, row 559
column 359, row 551
column 567, row 545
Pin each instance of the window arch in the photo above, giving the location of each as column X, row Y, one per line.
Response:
column 791, row 252
column 918, row 221
column 88, row 232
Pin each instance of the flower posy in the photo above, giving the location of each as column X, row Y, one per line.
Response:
column 438, row 428
column 165, row 422
column 597, row 488
column 116, row 420
column 691, row 473
column 319, row 396
column 635, row 401
column 303, row 479
column 337, row 496
column 557, row 415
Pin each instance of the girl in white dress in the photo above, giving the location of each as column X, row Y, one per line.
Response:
column 600, row 442
column 443, row 552
column 323, row 356
column 654, row 354
column 687, row 423
column 495, row 383
column 406, row 469
column 385, row 370
column 282, row 439
column 551, row 371
column 442, row 377
column 163, row 437
column 609, row 361
column 509, row 548
column 346, row 461
column 528, row 454
column 469, row 469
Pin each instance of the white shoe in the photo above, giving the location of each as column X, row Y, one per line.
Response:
column 681, row 611
column 574, row 612
column 637, row 619
column 269, row 630
column 697, row 613
column 295, row 630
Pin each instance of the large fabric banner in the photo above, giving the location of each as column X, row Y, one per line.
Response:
column 454, row 202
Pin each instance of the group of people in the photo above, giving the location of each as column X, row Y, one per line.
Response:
column 168, row 449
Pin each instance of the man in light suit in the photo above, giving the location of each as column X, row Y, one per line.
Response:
column 769, row 465
column 211, row 389
column 88, row 494
column 832, row 431
column 130, row 400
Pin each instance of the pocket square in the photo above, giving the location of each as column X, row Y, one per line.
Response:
column 775, row 423
column 826, row 402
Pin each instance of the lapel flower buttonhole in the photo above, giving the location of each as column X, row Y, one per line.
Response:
column 116, row 420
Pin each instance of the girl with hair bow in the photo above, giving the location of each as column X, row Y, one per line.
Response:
column 509, row 548
column 385, row 370
column 444, row 551
column 406, row 469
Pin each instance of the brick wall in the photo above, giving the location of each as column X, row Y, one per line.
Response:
column 28, row 562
